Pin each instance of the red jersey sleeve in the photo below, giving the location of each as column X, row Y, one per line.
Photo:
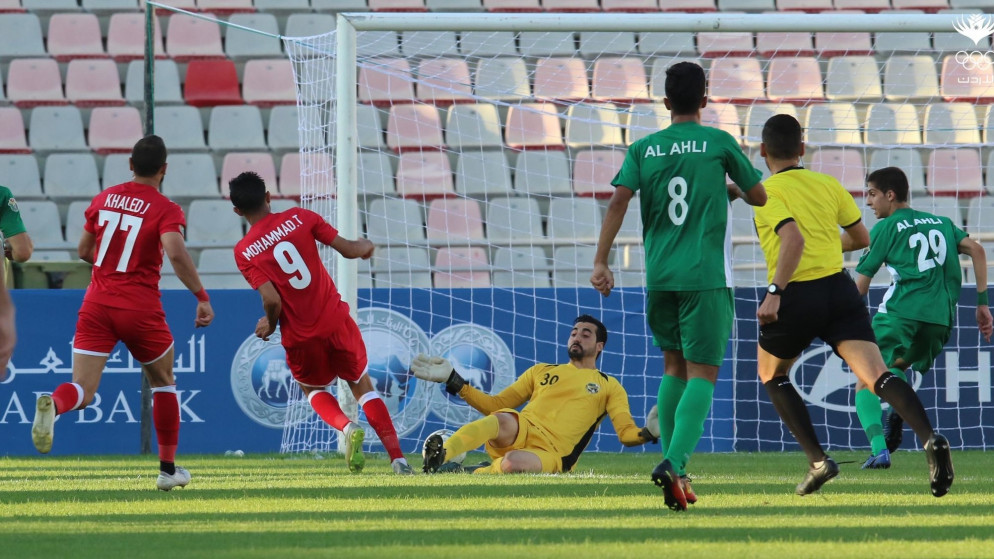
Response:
column 173, row 220
column 253, row 276
column 321, row 229
column 90, row 225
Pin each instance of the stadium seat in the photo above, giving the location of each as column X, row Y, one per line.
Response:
column 590, row 125
column 542, row 44
column 930, row 6
column 444, row 81
column 41, row 219
column 501, row 79
column 397, row 5
column 106, row 8
column 188, row 5
column 831, row 44
column 210, row 83
column 285, row 9
column 832, row 123
column 989, row 126
column 473, row 126
column 126, row 37
column 454, row 5
column 735, row 80
column 573, row 220
column 385, row 81
column 74, row 36
column 944, row 206
column 269, row 82
column 116, row 170
column 955, row 42
column 748, row 266
column 487, row 44
column 93, row 83
column 314, row 165
column 644, row 119
column 741, row 220
column 910, row 78
column 217, row 261
column 561, row 79
column 424, row 174
column 688, row 6
column 571, row 5
column 12, row 136
column 402, row 267
column 886, row 43
column 596, row 44
column 892, row 123
column 950, row 123
column 242, row 45
column 512, row 5
column 191, row 39
column 461, row 267
column 429, row 44
column 631, row 226
column 114, row 129
column 483, row 173
column 593, row 171
column 236, row 128
column 75, row 219
column 723, row 116
column 191, row 175
column 303, row 24
column 572, row 266
column 71, row 176
column 56, row 129
column 21, row 176
column 167, row 88
column 756, row 117
column 853, row 78
column 719, row 44
column 794, row 80
column 227, row 7
column 908, row 160
column 211, row 223
column 454, row 221
column 628, row 265
column 521, row 267
column 641, row 6
column 375, row 174
column 180, row 127
column 33, row 82
column 619, row 80
column 965, row 82
column 978, row 214
column 846, row 165
column 514, row 220
column 533, row 126
column 662, row 43
column 236, row 163
column 954, row 172
column 22, row 37
column 370, row 134
column 371, row 44
column 395, row 221
column 759, row 162
column 867, row 6
column 785, row 44
column 810, row 6
column 414, row 127
column 282, row 134
column 542, row 173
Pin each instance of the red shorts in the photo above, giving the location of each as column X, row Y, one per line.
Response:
column 339, row 353
column 144, row 332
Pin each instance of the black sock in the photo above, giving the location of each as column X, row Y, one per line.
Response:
column 899, row 394
column 168, row 467
column 794, row 414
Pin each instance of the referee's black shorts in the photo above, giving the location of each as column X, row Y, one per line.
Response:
column 829, row 308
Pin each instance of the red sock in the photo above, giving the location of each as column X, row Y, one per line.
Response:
column 165, row 415
column 67, row 397
column 327, row 407
column 379, row 418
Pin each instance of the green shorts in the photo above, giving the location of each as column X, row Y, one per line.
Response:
column 912, row 341
column 698, row 323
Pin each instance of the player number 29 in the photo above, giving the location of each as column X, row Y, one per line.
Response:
column 677, row 207
column 292, row 263
column 935, row 244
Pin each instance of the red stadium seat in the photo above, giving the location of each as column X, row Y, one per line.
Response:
column 456, row 220
column 93, row 83
column 968, row 81
column 225, row 7
column 720, row 45
column 724, row 117
column 385, row 81
column 424, row 174
column 955, row 172
column 843, row 44
column 236, row 163
column 794, row 80
column 414, row 127
column 294, row 173
column 458, row 267
column 846, row 165
column 397, row 5
column 32, row 82
column 269, row 82
column 193, row 39
column 126, row 37
column 444, row 81
column 620, row 80
column 593, row 171
column 114, row 129
column 75, row 36
column 636, row 6
column 533, row 126
column 12, row 137
column 11, row 7
column 868, row 6
column 512, row 6
column 928, row 6
column 785, row 44
column 561, row 79
column 210, row 83
column 736, row 80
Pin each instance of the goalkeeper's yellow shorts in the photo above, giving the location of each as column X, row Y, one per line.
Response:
column 531, row 438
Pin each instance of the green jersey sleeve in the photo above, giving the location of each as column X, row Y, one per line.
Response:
column 10, row 216
column 874, row 256
column 737, row 165
column 630, row 174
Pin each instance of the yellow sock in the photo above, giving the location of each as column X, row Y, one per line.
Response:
column 492, row 468
column 472, row 435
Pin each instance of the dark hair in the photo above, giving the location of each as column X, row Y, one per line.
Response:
column 782, row 135
column 601, row 330
column 685, row 87
column 890, row 179
column 248, row 191
column 148, row 156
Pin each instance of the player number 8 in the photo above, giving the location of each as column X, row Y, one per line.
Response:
column 678, row 207
column 292, row 263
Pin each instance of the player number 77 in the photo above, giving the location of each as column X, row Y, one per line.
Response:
column 115, row 221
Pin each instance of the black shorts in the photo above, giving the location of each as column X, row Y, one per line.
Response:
column 829, row 308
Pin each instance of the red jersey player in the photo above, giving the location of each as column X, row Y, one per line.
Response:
column 279, row 258
column 127, row 227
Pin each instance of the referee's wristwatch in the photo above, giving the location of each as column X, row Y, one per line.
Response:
column 774, row 289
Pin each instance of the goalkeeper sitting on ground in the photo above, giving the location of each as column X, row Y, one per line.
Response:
column 565, row 404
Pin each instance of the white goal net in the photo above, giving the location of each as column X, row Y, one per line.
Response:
column 483, row 160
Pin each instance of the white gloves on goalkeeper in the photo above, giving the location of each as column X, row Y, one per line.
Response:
column 652, row 422
column 437, row 369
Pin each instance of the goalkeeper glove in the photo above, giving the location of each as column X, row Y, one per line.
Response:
column 651, row 430
column 437, row 369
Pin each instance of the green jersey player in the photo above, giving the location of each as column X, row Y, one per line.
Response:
column 916, row 316
column 680, row 173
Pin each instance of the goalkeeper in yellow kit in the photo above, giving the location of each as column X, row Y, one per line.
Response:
column 565, row 404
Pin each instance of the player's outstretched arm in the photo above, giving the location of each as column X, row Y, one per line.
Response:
column 979, row 258
column 602, row 278
column 855, row 237
column 272, row 304
column 20, row 247
column 359, row 248
column 186, row 271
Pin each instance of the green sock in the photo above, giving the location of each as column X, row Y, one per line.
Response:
column 689, row 426
column 868, row 411
column 670, row 391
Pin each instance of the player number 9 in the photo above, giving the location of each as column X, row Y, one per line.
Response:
column 293, row 264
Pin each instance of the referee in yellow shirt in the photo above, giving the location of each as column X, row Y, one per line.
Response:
column 810, row 296
column 566, row 403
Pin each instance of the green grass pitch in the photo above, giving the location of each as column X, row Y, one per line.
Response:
column 270, row 506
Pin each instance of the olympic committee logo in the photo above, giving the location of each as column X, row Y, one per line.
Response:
column 392, row 340
column 976, row 27
column 261, row 380
column 480, row 357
